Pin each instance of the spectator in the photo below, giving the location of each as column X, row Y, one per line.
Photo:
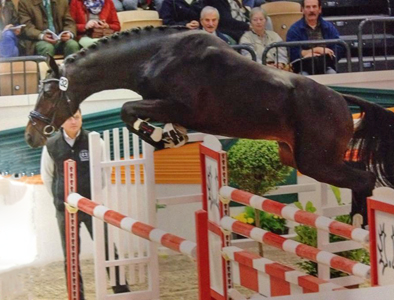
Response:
column 122, row 5
column 8, row 36
column 93, row 14
column 179, row 12
column 49, row 14
column 209, row 19
column 313, row 27
column 71, row 142
column 259, row 38
column 233, row 17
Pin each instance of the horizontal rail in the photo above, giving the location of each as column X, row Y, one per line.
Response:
column 295, row 214
column 308, row 252
column 128, row 224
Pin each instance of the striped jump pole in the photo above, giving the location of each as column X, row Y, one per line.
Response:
column 128, row 224
column 270, row 278
column 303, row 251
column 295, row 214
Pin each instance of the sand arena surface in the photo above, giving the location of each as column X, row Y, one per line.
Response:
column 178, row 278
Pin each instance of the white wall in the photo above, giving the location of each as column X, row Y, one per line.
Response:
column 28, row 223
column 15, row 109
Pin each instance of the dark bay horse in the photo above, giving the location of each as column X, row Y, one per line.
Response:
column 194, row 79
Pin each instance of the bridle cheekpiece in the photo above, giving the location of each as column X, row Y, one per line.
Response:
column 36, row 116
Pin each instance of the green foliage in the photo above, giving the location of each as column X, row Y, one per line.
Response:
column 308, row 235
column 269, row 222
column 254, row 166
column 337, row 194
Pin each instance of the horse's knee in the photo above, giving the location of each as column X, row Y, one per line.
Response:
column 127, row 113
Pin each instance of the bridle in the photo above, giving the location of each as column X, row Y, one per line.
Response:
column 34, row 115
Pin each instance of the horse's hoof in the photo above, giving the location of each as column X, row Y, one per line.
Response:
column 173, row 138
column 155, row 133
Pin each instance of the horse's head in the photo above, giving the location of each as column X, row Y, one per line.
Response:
column 52, row 107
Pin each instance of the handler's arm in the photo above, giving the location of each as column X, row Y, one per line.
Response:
column 47, row 169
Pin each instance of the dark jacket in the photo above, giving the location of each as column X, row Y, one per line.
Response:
column 32, row 13
column 227, row 24
column 225, row 38
column 298, row 32
column 60, row 150
column 179, row 12
column 8, row 15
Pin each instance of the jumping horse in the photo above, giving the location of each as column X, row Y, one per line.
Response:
column 194, row 79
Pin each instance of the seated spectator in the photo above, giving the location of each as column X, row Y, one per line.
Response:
column 259, row 38
column 313, row 27
column 8, row 36
column 179, row 12
column 122, row 5
column 49, row 27
column 209, row 20
column 233, row 17
column 93, row 14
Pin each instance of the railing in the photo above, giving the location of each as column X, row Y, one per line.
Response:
column 20, row 75
column 361, row 40
column 239, row 48
column 300, row 44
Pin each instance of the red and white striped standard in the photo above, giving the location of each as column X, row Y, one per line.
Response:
column 296, row 214
column 270, row 278
column 304, row 251
column 129, row 224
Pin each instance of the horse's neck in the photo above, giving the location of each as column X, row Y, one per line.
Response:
column 86, row 80
column 115, row 64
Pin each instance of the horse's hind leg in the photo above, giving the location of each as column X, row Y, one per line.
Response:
column 135, row 112
column 342, row 175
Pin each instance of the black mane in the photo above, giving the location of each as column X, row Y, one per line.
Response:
column 129, row 34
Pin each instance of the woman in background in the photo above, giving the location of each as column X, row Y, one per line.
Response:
column 90, row 14
column 259, row 38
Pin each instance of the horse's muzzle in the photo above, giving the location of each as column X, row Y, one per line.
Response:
column 33, row 138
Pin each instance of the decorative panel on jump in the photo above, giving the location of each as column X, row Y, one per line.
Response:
column 381, row 227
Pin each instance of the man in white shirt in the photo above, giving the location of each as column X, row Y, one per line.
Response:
column 70, row 142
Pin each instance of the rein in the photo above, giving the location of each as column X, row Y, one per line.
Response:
column 37, row 116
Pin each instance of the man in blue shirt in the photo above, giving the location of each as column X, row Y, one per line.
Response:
column 313, row 27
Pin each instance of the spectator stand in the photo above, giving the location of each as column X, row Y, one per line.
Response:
column 240, row 48
column 138, row 18
column 283, row 14
column 21, row 75
column 381, row 58
column 302, row 62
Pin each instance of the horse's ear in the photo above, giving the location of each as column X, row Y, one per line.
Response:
column 52, row 65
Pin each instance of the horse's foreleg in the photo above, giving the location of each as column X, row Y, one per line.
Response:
column 171, row 136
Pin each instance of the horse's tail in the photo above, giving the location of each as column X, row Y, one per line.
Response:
column 373, row 139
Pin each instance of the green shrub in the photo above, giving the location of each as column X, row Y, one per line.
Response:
column 254, row 166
